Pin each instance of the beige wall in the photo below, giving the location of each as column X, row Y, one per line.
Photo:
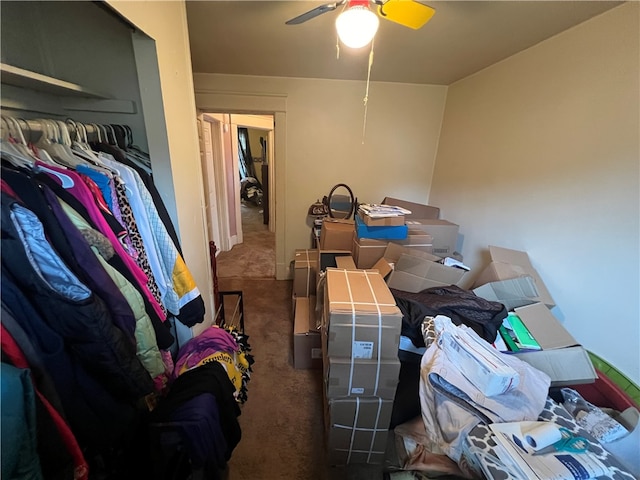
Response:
column 166, row 23
column 541, row 153
column 324, row 141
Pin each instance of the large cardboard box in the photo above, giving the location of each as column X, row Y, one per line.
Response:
column 561, row 357
column 367, row 251
column 336, row 234
column 512, row 293
column 307, row 349
column 363, row 319
column 346, row 377
column 395, row 250
column 305, row 266
column 418, row 210
column 357, row 429
column 417, row 240
column 444, row 233
column 414, row 274
column 507, row 264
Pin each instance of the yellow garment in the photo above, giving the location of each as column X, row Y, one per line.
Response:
column 235, row 364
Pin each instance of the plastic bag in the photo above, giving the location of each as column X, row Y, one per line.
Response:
column 603, row 427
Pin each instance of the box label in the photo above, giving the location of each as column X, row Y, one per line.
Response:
column 357, row 391
column 363, row 350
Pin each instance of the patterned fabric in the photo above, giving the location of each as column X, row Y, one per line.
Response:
column 141, row 256
column 480, row 439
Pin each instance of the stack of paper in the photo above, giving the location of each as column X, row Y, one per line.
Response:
column 518, row 457
column 382, row 211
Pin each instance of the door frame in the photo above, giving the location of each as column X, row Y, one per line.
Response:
column 261, row 104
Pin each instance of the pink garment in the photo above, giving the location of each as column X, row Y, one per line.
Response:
column 72, row 182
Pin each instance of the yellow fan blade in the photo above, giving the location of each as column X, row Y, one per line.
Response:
column 409, row 13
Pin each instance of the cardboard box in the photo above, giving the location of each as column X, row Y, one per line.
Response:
column 398, row 232
column 418, row 210
column 357, row 429
column 305, row 266
column 561, row 357
column 336, row 234
column 345, row 262
column 383, row 221
column 513, row 293
column 444, row 233
column 414, row 274
column 345, row 377
column 417, row 240
column 507, row 264
column 395, row 250
column 367, row 251
column 307, row 349
column 363, row 319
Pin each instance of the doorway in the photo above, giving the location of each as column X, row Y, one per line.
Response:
column 238, row 175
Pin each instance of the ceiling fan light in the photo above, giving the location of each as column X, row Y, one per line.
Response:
column 357, row 26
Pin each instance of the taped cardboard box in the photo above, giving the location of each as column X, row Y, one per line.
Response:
column 305, row 266
column 561, row 357
column 414, row 274
column 362, row 315
column 336, row 234
column 345, row 377
column 307, row 349
column 418, row 210
column 357, row 429
column 443, row 232
column 507, row 264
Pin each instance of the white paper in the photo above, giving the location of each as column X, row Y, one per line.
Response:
column 518, row 454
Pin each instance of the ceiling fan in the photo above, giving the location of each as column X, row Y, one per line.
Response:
column 358, row 24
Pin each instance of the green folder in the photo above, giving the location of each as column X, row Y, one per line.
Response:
column 524, row 339
column 504, row 333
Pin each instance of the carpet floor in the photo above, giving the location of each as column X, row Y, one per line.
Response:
column 282, row 420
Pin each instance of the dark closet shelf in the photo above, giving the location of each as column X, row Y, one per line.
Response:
column 20, row 77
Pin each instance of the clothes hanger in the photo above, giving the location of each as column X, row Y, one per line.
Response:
column 32, row 137
column 50, row 142
column 79, row 144
column 81, row 130
column 10, row 150
column 112, row 140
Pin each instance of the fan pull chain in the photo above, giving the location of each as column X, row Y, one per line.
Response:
column 366, row 95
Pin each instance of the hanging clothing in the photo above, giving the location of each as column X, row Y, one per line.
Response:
column 68, row 305
column 180, row 294
column 20, row 459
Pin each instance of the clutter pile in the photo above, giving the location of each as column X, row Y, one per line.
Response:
column 417, row 368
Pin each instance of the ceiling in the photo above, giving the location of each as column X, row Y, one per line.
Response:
column 251, row 38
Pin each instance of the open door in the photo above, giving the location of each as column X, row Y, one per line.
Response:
column 218, row 178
